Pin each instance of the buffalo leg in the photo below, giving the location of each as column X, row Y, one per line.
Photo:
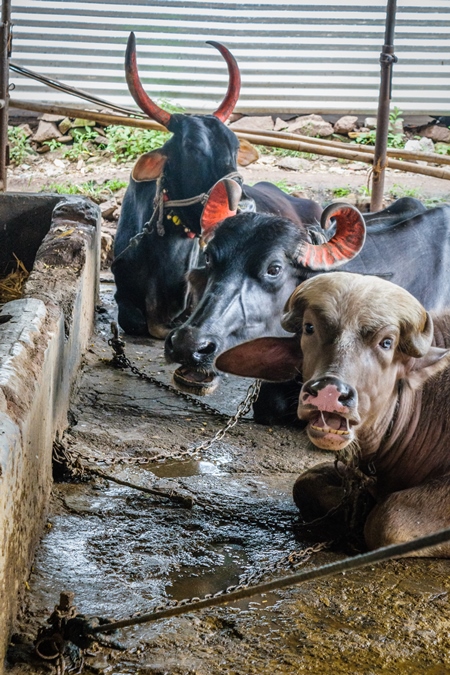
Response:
column 131, row 318
column 409, row 514
column 330, row 508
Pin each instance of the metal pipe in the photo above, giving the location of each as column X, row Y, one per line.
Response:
column 5, row 49
column 387, row 59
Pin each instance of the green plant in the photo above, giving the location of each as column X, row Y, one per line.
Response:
column 431, row 202
column 92, row 189
column 341, row 192
column 364, row 191
column 170, row 107
column 82, row 144
column 442, row 148
column 397, row 191
column 126, row 143
column 284, row 152
column 395, row 138
column 19, row 145
column 53, row 144
column 283, row 185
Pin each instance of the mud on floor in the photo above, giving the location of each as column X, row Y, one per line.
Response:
column 123, row 552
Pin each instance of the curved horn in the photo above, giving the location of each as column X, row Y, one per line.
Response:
column 136, row 89
column 234, row 86
column 342, row 247
column 418, row 341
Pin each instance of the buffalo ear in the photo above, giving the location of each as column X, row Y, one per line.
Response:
column 423, row 368
column 222, row 202
column 273, row 359
column 247, row 153
column 149, row 167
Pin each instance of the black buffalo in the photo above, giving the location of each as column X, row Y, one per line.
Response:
column 253, row 266
column 157, row 235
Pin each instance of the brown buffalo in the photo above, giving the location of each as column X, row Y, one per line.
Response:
column 376, row 373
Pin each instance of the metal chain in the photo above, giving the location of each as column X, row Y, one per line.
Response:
column 120, row 360
column 289, row 561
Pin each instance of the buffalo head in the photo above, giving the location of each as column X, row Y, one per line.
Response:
column 356, row 338
column 253, row 263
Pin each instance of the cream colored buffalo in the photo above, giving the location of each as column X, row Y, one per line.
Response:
column 376, row 374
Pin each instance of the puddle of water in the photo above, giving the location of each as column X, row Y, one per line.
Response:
column 184, row 469
column 199, row 583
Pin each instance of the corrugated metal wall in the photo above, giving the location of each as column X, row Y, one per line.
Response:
column 294, row 57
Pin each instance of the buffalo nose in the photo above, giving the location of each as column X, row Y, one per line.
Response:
column 187, row 347
column 336, row 389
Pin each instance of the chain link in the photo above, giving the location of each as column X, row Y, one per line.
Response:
column 120, row 360
column 289, row 561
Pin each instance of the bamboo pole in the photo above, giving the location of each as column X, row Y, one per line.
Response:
column 392, row 152
column 354, row 156
column 259, row 138
column 74, row 111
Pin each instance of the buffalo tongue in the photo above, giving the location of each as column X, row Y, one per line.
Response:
column 328, row 420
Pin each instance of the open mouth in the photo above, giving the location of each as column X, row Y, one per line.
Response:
column 329, row 431
column 195, row 380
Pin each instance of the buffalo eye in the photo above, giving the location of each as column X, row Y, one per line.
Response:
column 274, row 269
column 308, row 328
column 207, row 259
column 386, row 343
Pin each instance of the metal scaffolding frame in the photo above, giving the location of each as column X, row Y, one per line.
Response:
column 5, row 47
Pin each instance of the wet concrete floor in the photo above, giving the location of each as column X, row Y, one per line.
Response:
column 123, row 552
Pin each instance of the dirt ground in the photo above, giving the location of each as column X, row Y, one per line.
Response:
column 317, row 178
column 122, row 552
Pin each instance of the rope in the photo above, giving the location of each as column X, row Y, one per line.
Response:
column 349, row 564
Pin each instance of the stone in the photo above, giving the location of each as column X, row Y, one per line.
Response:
column 64, row 139
column 254, row 123
column 107, row 243
column 293, row 163
column 346, row 124
column 437, row 133
column 26, row 129
column 423, row 145
column 247, row 153
column 311, row 125
column 418, row 120
column 41, row 149
column 46, row 131
column 48, row 117
column 107, row 208
column 280, row 124
column 65, row 125
column 370, row 122
column 80, row 122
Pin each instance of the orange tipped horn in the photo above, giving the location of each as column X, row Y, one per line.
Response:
column 136, row 89
column 344, row 245
column 234, row 85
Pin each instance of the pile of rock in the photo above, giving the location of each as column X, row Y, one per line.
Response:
column 346, row 128
column 60, row 129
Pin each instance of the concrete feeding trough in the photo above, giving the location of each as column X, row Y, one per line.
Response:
column 42, row 339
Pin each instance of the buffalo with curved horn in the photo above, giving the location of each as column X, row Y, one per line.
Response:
column 254, row 262
column 156, row 242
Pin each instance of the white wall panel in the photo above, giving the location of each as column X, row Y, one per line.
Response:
column 294, row 57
